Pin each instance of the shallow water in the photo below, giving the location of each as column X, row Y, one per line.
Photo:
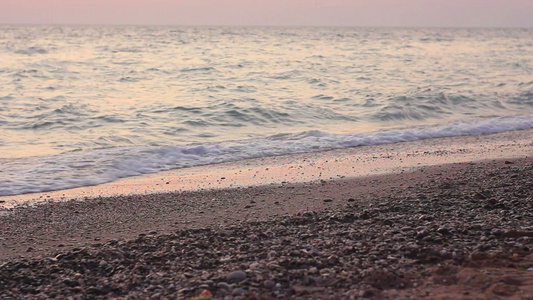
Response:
column 82, row 105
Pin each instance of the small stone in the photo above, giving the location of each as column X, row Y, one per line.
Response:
column 95, row 291
column 210, row 283
column 255, row 265
column 333, row 259
column 236, row 276
column 237, row 292
column 184, row 291
column 328, row 200
column 443, row 230
column 269, row 284
column 313, row 270
column 351, row 200
column 223, row 286
column 421, row 234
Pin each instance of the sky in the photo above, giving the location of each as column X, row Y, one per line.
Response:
column 390, row 13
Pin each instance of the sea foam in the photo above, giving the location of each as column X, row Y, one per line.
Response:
column 84, row 168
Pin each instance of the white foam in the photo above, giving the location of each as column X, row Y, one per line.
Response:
column 76, row 169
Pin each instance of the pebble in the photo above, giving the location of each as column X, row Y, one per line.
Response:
column 422, row 234
column 406, row 228
column 223, row 286
column 443, row 230
column 269, row 284
column 209, row 283
column 236, row 276
column 255, row 266
column 237, row 292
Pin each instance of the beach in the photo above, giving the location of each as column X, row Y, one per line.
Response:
column 435, row 219
column 265, row 162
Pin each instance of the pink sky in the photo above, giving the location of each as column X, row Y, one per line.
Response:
column 441, row 13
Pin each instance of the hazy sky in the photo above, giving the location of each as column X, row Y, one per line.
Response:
column 442, row 13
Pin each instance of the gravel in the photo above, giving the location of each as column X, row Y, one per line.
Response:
column 396, row 246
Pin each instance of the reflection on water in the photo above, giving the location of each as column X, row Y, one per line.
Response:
column 81, row 105
column 86, row 87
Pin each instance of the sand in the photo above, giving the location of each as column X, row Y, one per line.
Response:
column 484, row 181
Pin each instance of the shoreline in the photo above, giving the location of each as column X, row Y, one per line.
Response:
column 304, row 167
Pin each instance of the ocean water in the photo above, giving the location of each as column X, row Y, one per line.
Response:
column 83, row 105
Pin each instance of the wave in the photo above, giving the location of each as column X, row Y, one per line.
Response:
column 31, row 51
column 84, row 168
column 430, row 105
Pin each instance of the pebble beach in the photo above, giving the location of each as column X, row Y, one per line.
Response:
column 458, row 230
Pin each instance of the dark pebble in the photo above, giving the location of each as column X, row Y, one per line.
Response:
column 223, row 286
column 269, row 284
column 236, row 276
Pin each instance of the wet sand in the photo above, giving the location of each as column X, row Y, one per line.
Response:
column 406, row 220
column 306, row 167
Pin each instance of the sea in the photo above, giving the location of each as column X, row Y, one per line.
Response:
column 85, row 105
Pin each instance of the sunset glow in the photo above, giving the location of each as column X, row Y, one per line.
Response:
column 434, row 13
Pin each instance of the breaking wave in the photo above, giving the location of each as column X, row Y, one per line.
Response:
column 84, row 168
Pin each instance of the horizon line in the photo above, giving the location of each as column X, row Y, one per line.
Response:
column 271, row 26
